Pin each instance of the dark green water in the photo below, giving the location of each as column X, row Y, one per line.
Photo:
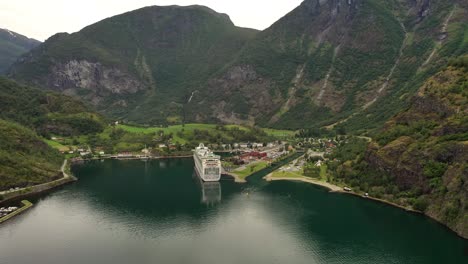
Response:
column 157, row 212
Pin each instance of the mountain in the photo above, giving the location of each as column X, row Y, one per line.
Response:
column 46, row 112
column 142, row 65
column 329, row 63
column 13, row 45
column 419, row 157
column 25, row 159
column 27, row 115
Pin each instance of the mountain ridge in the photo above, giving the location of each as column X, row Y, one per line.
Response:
column 326, row 63
column 13, row 45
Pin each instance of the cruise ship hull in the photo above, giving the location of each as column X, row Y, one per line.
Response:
column 207, row 165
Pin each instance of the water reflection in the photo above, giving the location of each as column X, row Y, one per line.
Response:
column 210, row 191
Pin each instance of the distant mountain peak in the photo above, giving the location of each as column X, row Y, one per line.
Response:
column 12, row 45
column 9, row 32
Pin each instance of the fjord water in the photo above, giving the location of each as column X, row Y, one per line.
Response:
column 158, row 212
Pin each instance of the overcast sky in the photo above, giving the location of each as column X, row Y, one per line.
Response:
column 41, row 19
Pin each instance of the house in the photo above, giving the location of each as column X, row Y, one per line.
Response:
column 125, row 154
column 257, row 145
column 162, row 146
column 244, row 145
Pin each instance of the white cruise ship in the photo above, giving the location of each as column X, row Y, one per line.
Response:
column 207, row 164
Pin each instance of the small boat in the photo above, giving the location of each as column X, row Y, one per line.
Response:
column 347, row 189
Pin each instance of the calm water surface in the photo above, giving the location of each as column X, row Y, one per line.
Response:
column 158, row 212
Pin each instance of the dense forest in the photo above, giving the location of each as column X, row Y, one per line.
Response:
column 418, row 158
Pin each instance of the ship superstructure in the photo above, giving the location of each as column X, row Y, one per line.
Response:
column 207, row 164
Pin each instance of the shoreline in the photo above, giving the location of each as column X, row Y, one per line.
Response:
column 26, row 205
column 237, row 179
column 330, row 187
column 339, row 190
column 26, row 192
column 133, row 158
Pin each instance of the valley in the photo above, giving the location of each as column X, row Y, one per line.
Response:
column 360, row 97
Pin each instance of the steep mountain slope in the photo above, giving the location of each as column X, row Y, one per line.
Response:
column 26, row 113
column 24, row 158
column 46, row 112
column 419, row 158
column 333, row 61
column 13, row 45
column 141, row 65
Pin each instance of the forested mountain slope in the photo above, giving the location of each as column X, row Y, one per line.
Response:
column 354, row 63
column 348, row 63
column 419, row 158
column 143, row 65
column 12, row 46
column 27, row 117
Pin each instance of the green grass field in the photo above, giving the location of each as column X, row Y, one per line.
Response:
column 188, row 130
column 287, row 174
column 56, row 145
column 251, row 169
column 299, row 174
column 134, row 138
column 323, row 172
column 279, row 133
column 191, row 127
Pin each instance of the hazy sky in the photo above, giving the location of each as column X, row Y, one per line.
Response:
column 41, row 19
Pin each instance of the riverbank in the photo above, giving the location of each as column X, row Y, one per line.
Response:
column 241, row 174
column 40, row 188
column 337, row 189
column 237, row 179
column 133, row 158
column 329, row 186
column 26, row 205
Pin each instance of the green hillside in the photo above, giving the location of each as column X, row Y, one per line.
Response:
column 28, row 116
column 150, row 60
column 24, row 158
column 347, row 65
column 419, row 158
column 351, row 64
column 46, row 112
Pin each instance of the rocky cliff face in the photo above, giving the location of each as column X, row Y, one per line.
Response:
column 96, row 80
column 336, row 62
column 140, row 65
column 425, row 149
column 327, row 63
